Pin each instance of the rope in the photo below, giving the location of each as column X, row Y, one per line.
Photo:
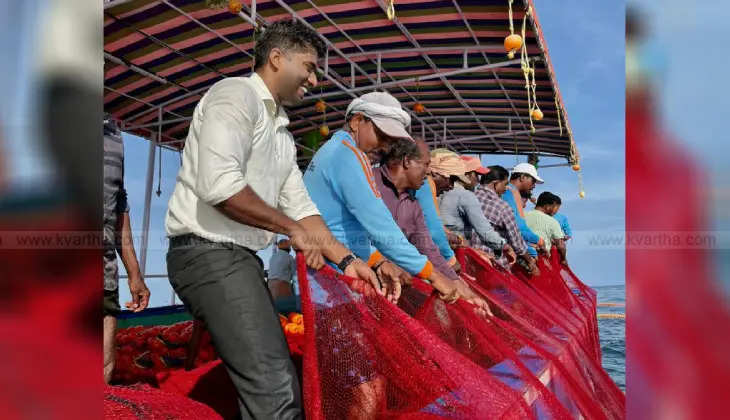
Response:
column 159, row 174
column 536, row 106
column 560, row 122
column 390, row 10
column 525, row 65
column 580, row 184
column 511, row 23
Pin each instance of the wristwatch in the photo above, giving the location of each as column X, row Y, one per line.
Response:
column 342, row 265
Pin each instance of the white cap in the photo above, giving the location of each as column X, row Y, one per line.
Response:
column 385, row 111
column 529, row 169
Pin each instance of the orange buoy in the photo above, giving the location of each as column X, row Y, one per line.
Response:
column 320, row 106
column 582, row 194
column 418, row 108
column 296, row 318
column 537, row 114
column 576, row 167
column 324, row 130
column 235, row 6
column 512, row 43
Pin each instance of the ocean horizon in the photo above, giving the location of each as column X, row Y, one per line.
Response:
column 612, row 333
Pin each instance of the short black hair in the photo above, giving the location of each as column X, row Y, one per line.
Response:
column 287, row 35
column 496, row 173
column 517, row 175
column 401, row 149
column 547, row 198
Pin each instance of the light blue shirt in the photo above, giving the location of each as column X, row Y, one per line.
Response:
column 527, row 234
column 424, row 195
column 462, row 213
column 282, row 266
column 340, row 182
column 563, row 220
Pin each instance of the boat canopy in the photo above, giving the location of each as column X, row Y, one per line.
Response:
column 444, row 59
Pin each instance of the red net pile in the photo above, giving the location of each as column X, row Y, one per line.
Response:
column 537, row 357
column 144, row 402
column 145, row 351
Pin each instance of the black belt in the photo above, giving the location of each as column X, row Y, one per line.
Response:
column 191, row 239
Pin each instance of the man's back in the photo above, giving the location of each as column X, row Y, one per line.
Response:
column 281, row 266
column 544, row 226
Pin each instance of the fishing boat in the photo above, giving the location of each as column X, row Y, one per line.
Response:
column 476, row 77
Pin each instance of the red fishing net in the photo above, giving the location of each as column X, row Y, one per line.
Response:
column 144, row 402
column 537, row 357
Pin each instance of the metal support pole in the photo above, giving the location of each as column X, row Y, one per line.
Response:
column 327, row 60
column 379, row 66
column 400, row 82
column 352, row 75
column 253, row 12
column 444, row 128
column 147, row 201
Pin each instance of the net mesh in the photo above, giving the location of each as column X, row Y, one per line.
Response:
column 144, row 402
column 537, row 357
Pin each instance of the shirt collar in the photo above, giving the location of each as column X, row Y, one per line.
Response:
column 268, row 99
column 388, row 182
column 489, row 192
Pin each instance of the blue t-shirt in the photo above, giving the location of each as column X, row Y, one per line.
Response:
column 424, row 195
column 563, row 220
column 527, row 234
column 340, row 182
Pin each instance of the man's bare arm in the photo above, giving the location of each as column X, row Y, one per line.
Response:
column 137, row 288
column 248, row 208
column 562, row 250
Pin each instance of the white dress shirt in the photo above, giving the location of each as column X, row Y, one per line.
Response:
column 236, row 138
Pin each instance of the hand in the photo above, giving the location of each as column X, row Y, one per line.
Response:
column 488, row 258
column 140, row 294
column 532, row 264
column 510, row 254
column 303, row 242
column 359, row 270
column 466, row 293
column 456, row 266
column 392, row 279
column 455, row 240
column 445, row 286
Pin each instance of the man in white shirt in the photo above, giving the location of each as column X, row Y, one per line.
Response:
column 239, row 185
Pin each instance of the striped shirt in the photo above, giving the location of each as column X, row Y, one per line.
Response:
column 545, row 226
column 115, row 196
column 502, row 218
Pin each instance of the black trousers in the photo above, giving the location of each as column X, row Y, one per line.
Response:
column 223, row 285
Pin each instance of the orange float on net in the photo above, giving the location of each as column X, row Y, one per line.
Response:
column 296, row 318
column 320, row 106
column 537, row 114
column 418, row 108
column 576, row 167
column 324, row 130
column 235, row 6
column 512, row 43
